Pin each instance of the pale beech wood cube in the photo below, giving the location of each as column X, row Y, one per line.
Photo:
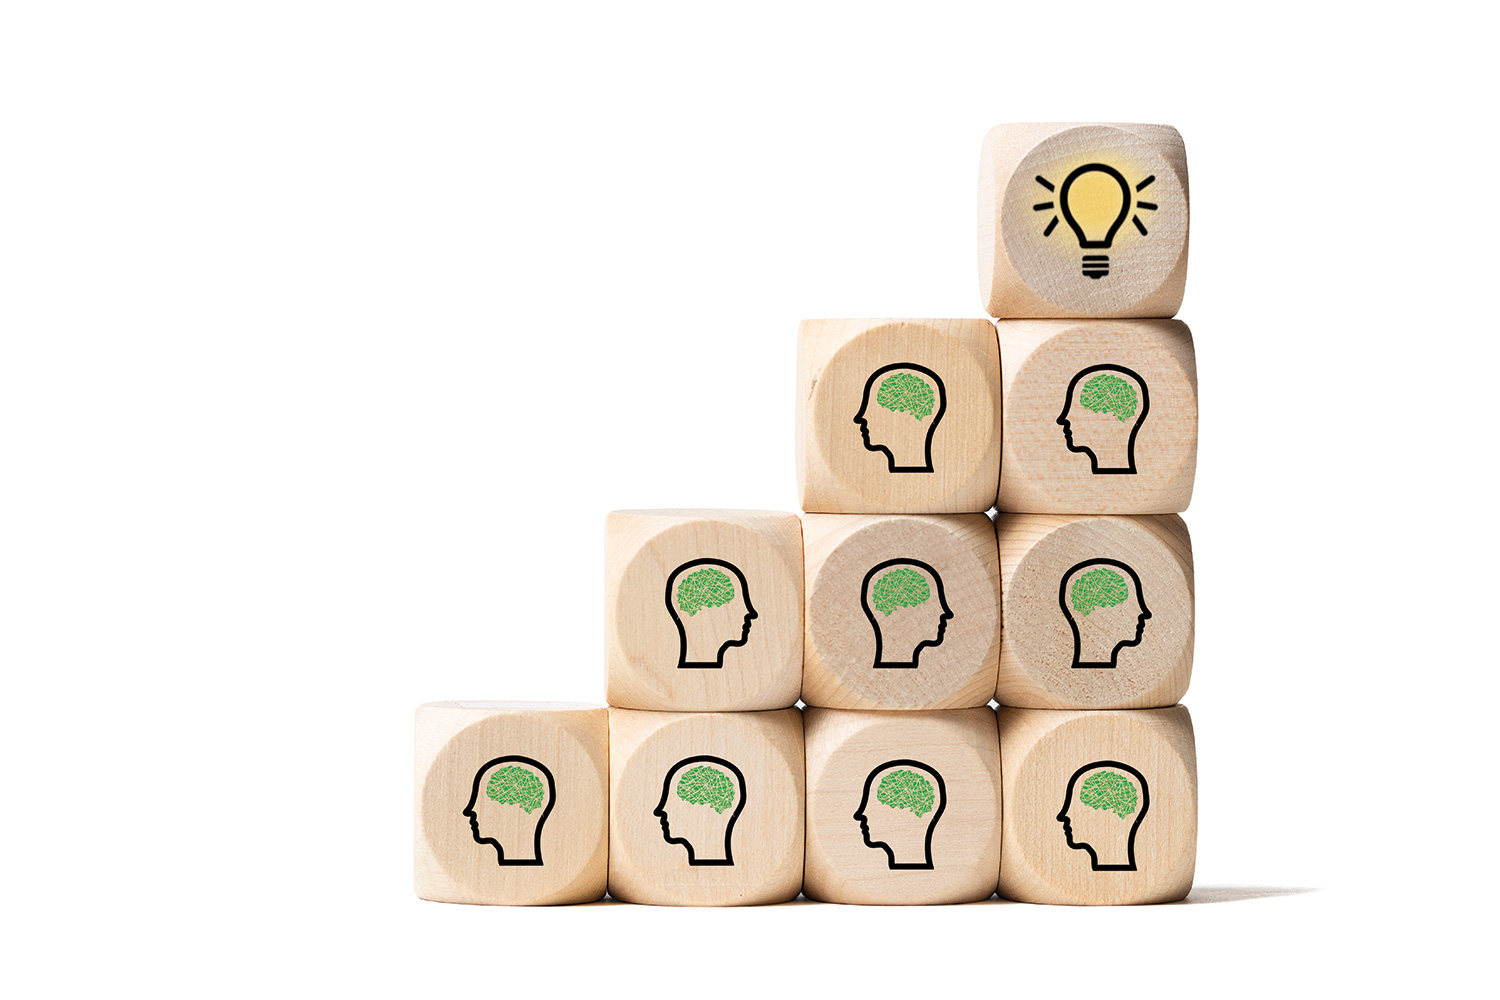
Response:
column 1098, row 611
column 897, row 416
column 902, row 807
column 903, row 611
column 703, row 610
column 1101, row 416
column 512, row 802
column 1083, row 220
column 1100, row 807
column 706, row 809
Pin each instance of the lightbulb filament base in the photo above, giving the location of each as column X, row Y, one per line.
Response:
column 1095, row 265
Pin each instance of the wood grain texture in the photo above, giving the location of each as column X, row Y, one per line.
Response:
column 703, row 610
column 1120, row 787
column 543, row 819
column 902, row 611
column 1100, row 416
column 1098, row 611
column 902, row 807
column 727, row 788
column 1034, row 263
column 897, row 416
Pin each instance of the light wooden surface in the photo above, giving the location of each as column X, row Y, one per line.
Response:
column 1101, row 416
column 706, row 809
column 902, row 807
column 1037, row 180
column 902, row 611
column 1100, row 807
column 511, row 802
column 1098, row 611
column 703, row 609
column 897, row 416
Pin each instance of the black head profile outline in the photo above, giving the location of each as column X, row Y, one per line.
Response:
column 674, row 580
column 1139, row 814
column 1071, row 614
column 944, row 616
column 738, row 806
column 1110, row 465
column 905, row 462
column 473, row 816
column 880, row 838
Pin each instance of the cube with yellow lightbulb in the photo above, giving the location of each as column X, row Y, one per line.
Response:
column 1082, row 221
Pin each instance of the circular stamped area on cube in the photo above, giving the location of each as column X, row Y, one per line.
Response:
column 1094, row 219
column 903, row 611
column 512, row 807
column 1101, row 416
column 901, row 416
column 1098, row 611
column 1100, row 807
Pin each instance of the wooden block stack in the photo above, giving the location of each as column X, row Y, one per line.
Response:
column 1083, row 260
column 881, row 608
column 898, row 457
column 703, row 657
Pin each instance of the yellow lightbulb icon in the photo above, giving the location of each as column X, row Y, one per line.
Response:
column 1095, row 201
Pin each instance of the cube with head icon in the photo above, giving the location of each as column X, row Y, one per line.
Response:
column 512, row 802
column 703, row 610
column 903, row 611
column 902, row 807
column 706, row 808
column 1100, row 807
column 897, row 416
column 1098, row 611
column 1082, row 220
column 1100, row 416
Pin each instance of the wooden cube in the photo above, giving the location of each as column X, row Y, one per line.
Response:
column 897, row 416
column 1101, row 416
column 512, row 802
column 903, row 611
column 902, row 807
column 706, row 809
column 1085, row 220
column 704, row 610
column 1100, row 807
column 1098, row 611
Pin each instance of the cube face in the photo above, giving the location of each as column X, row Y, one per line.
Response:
column 512, row 802
column 902, row 611
column 704, row 610
column 1086, row 220
column 1098, row 611
column 1100, row 416
column 897, row 416
column 1100, row 807
column 902, row 807
column 707, row 809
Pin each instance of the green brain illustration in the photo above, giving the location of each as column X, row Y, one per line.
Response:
column 1098, row 588
column 1108, row 790
column 1110, row 394
column 516, row 786
column 900, row 588
column 906, row 790
column 704, row 588
column 903, row 392
column 706, row 786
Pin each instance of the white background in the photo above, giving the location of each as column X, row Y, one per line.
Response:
column 331, row 332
